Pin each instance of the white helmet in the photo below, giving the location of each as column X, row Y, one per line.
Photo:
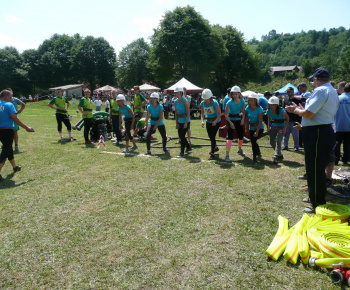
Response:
column 235, row 89
column 154, row 95
column 121, row 97
column 179, row 89
column 254, row 96
column 274, row 101
column 206, row 94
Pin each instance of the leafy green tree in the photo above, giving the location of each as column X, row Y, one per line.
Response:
column 184, row 46
column 132, row 64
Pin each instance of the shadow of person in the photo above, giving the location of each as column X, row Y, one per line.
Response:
column 7, row 182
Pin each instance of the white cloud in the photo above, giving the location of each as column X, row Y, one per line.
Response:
column 6, row 40
column 146, row 24
column 11, row 18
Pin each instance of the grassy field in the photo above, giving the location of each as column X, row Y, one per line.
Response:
column 76, row 217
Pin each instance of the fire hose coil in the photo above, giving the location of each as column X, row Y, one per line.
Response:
column 333, row 211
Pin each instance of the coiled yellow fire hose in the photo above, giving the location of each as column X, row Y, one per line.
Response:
column 325, row 237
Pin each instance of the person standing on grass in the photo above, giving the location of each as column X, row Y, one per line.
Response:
column 8, row 116
column 129, row 119
column 182, row 118
column 211, row 109
column 189, row 100
column 107, row 105
column 254, row 126
column 155, row 115
column 84, row 107
column 139, row 100
column 15, row 102
column 61, row 105
column 114, row 118
column 319, row 138
column 98, row 103
column 233, row 109
column 277, row 123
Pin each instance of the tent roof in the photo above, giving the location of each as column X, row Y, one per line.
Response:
column 249, row 93
column 147, row 87
column 283, row 91
column 190, row 88
column 105, row 88
column 67, row 87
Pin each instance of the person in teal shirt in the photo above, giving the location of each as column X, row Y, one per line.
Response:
column 154, row 121
column 129, row 119
column 276, row 126
column 211, row 109
column 254, row 126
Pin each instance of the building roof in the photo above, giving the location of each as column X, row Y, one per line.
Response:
column 190, row 88
column 67, row 87
column 283, row 68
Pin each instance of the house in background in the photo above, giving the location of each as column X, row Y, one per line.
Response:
column 282, row 70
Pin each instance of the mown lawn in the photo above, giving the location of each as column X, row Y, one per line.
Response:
column 75, row 217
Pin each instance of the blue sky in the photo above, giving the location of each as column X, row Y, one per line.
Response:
column 25, row 24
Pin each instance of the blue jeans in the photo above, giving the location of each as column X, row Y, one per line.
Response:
column 295, row 134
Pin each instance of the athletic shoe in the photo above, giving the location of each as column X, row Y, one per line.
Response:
column 126, row 150
column 240, row 152
column 255, row 161
column 285, row 148
column 73, row 139
column 227, row 159
column 169, row 138
column 16, row 148
column 309, row 209
column 296, row 149
column 165, row 149
column 212, row 156
column 302, row 176
column 89, row 142
column 120, row 142
column 133, row 147
column 188, row 149
column 148, row 152
column 274, row 160
column 280, row 157
column 181, row 155
column 17, row 168
column 216, row 149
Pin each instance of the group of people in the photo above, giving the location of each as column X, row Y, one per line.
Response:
column 316, row 115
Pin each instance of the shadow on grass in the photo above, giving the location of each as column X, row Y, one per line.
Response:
column 7, row 182
column 17, row 152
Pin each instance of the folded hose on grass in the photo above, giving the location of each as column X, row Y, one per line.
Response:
column 333, row 211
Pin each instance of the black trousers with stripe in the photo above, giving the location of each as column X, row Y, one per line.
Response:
column 318, row 143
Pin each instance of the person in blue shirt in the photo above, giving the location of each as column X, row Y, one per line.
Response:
column 277, row 123
column 254, row 126
column 318, row 134
column 211, row 109
column 155, row 117
column 129, row 119
column 17, row 102
column 8, row 116
column 226, row 99
column 182, row 118
column 234, row 108
column 342, row 125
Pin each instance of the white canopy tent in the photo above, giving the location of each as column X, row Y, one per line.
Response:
column 147, row 87
column 190, row 88
column 106, row 88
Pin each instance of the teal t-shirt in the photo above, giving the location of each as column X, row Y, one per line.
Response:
column 276, row 117
column 253, row 117
column 210, row 110
column 125, row 111
column 154, row 113
column 235, row 108
column 181, row 109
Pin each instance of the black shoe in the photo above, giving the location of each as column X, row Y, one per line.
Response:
column 17, row 168
column 345, row 163
column 274, row 160
column 280, row 157
column 255, row 161
column 329, row 182
column 188, row 149
column 165, row 149
column 296, row 149
column 285, row 148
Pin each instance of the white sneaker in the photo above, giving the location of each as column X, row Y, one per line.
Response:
column 120, row 142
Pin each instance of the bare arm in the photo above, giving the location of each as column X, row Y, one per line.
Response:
column 20, row 123
column 23, row 105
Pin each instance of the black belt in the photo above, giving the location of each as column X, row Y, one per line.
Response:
column 61, row 111
column 87, row 110
column 128, row 119
column 318, row 126
column 154, row 118
column 234, row 116
column 277, row 121
column 115, row 112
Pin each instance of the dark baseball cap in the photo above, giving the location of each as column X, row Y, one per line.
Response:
column 267, row 93
column 320, row 73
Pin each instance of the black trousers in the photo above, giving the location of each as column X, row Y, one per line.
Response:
column 342, row 137
column 212, row 131
column 87, row 126
column 253, row 140
column 150, row 131
column 182, row 135
column 128, row 135
column 6, row 138
column 115, row 123
column 318, row 143
column 62, row 118
column 239, row 130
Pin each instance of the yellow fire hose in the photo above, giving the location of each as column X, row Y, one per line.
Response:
column 325, row 236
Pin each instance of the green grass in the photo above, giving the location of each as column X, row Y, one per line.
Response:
column 75, row 217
